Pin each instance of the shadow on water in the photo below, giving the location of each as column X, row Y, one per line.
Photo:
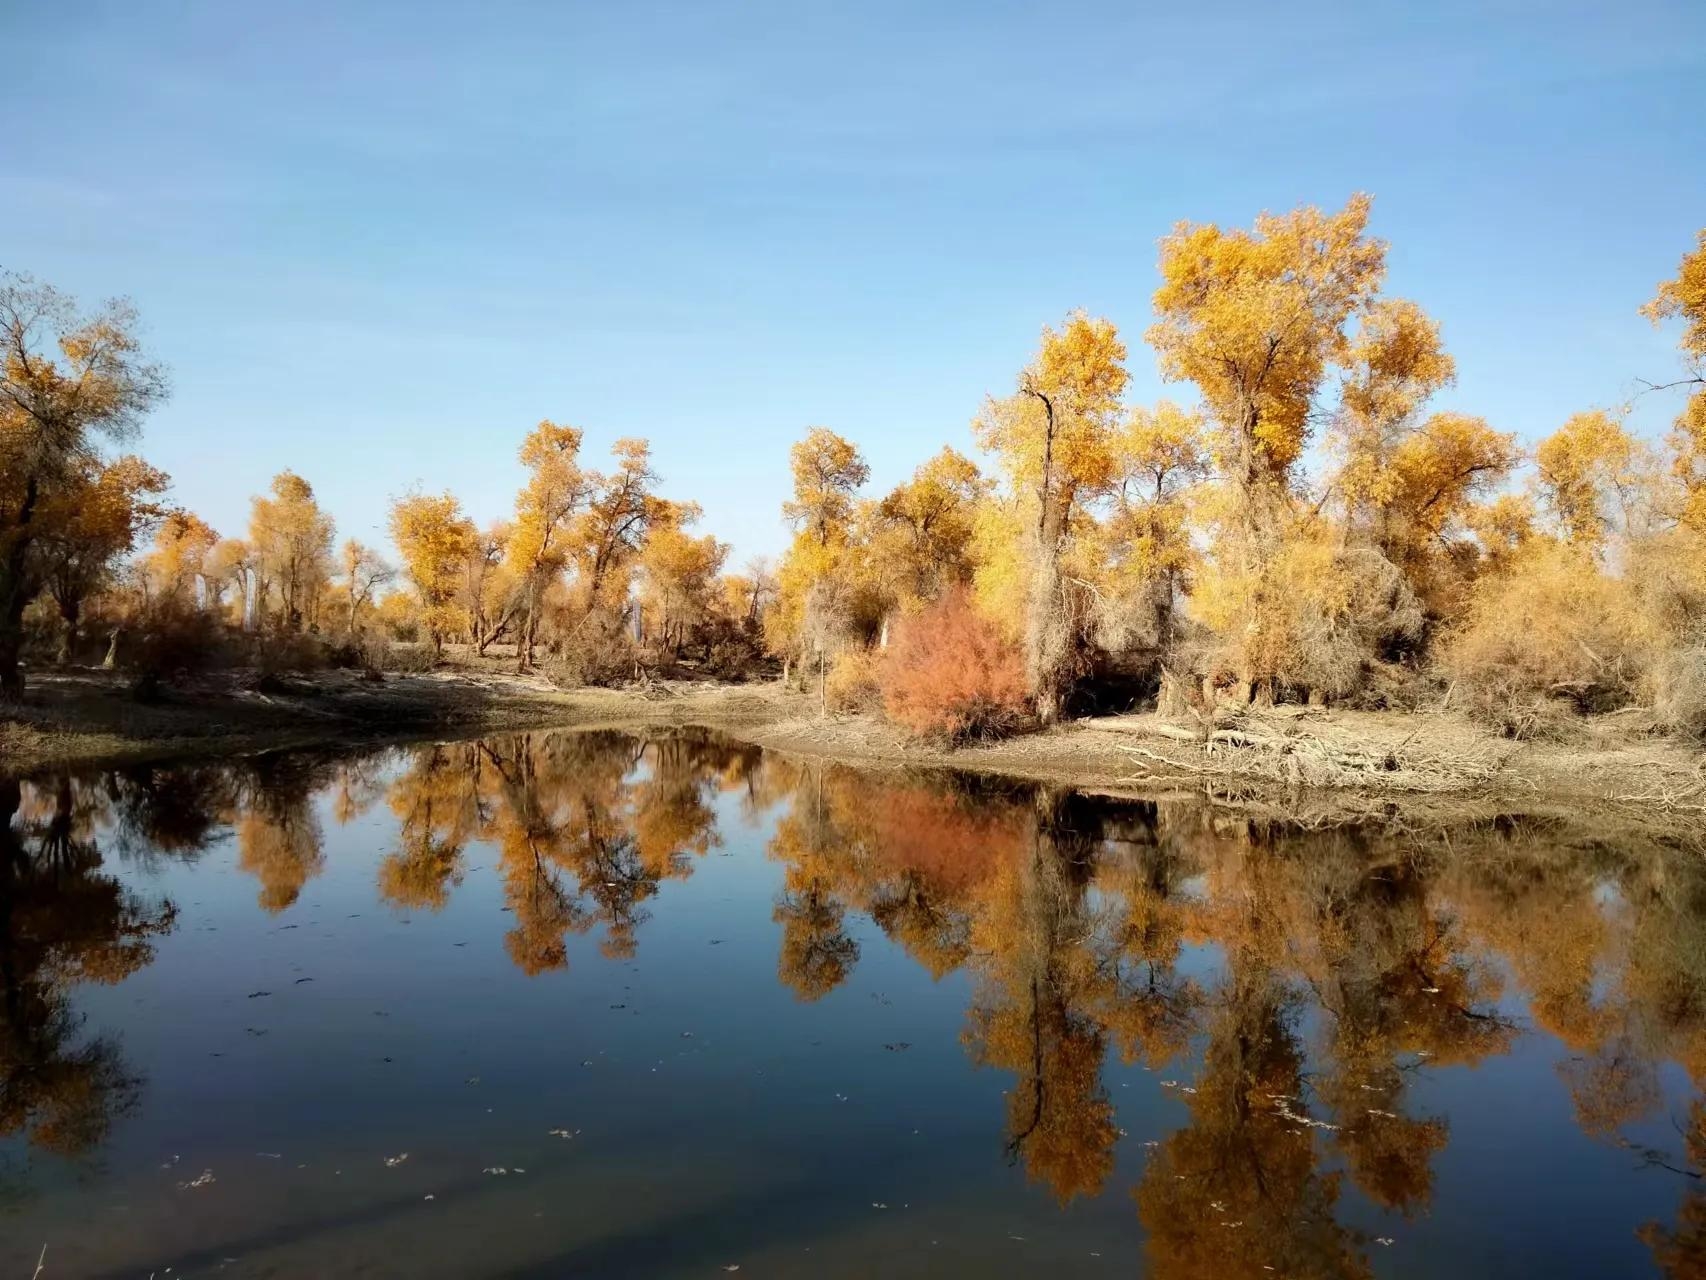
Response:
column 1308, row 993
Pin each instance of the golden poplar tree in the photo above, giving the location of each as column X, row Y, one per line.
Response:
column 1684, row 298
column 84, row 528
column 1588, row 477
column 1055, row 437
column 67, row 382
column 434, row 537
column 1255, row 319
column 175, row 568
column 544, row 512
column 812, row 613
column 291, row 537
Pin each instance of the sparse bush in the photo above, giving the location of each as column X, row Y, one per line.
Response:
column 598, row 652
column 951, row 675
column 851, row 685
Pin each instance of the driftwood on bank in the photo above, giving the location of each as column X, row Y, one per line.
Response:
column 1303, row 747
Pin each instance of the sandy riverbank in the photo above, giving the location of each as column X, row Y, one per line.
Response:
column 1319, row 760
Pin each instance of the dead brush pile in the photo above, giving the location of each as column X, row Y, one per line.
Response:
column 1303, row 749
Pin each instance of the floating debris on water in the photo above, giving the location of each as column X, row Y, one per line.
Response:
column 1285, row 1111
column 200, row 1180
column 391, row 1162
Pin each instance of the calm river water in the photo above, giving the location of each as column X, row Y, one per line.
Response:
column 587, row 1004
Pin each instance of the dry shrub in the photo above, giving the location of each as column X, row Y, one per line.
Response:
column 732, row 651
column 1551, row 632
column 400, row 616
column 1339, row 612
column 1678, row 683
column 1318, row 616
column 1395, row 686
column 171, row 641
column 1666, row 573
column 274, row 651
column 597, row 652
column 733, row 657
column 851, row 684
column 404, row 659
column 951, row 675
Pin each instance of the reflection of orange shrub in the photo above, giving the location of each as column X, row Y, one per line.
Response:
column 944, row 841
column 951, row 674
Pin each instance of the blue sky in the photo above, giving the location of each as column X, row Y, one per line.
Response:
column 376, row 243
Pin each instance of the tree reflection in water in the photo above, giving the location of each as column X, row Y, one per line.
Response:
column 62, row 923
column 1332, row 965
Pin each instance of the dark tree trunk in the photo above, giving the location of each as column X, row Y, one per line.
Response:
column 15, row 594
column 11, row 671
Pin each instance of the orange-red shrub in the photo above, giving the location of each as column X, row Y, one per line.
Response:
column 950, row 674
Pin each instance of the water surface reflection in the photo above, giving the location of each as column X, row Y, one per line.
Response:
column 1216, row 1045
